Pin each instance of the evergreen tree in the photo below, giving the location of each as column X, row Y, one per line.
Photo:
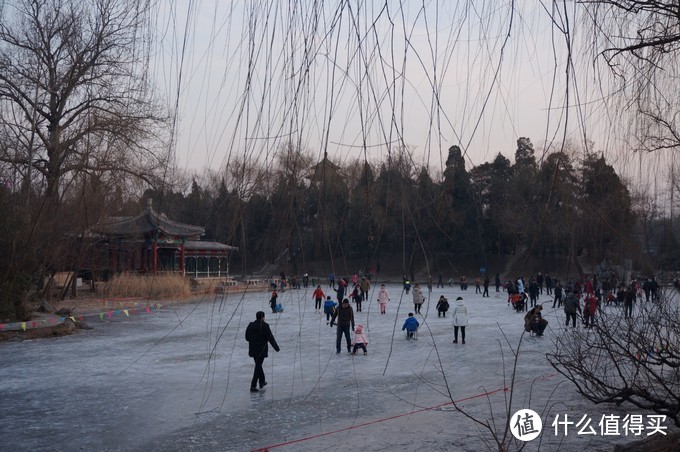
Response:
column 522, row 197
column 459, row 208
column 490, row 182
column 557, row 190
column 607, row 208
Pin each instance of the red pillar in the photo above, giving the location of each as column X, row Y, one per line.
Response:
column 181, row 258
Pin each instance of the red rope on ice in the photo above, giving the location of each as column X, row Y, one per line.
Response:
column 483, row 394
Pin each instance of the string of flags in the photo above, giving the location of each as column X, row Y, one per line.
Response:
column 105, row 315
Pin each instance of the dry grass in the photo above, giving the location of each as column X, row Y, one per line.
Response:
column 154, row 287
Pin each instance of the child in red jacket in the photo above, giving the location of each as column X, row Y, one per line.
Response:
column 318, row 296
column 589, row 309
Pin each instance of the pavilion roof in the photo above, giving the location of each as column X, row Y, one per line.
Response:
column 192, row 245
column 325, row 168
column 148, row 222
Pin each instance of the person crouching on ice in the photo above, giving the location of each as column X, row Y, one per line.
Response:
column 411, row 325
column 442, row 306
column 534, row 321
column 360, row 341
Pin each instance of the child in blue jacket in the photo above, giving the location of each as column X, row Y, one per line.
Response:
column 411, row 325
column 328, row 308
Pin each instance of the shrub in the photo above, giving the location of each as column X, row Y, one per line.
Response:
column 158, row 286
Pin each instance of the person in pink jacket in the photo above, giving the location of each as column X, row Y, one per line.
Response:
column 360, row 341
column 383, row 298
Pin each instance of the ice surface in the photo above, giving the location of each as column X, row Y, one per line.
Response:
column 178, row 379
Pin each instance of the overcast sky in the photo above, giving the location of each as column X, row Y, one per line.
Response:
column 359, row 80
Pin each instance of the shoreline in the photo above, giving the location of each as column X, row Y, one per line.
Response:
column 68, row 316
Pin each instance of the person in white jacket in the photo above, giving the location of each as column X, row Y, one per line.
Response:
column 460, row 319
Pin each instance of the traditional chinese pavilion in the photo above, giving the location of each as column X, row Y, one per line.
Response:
column 152, row 243
column 324, row 170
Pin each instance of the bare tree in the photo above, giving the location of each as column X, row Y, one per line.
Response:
column 639, row 41
column 78, row 124
column 633, row 360
column 74, row 94
column 649, row 213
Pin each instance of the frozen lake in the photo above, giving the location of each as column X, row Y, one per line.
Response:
column 178, row 379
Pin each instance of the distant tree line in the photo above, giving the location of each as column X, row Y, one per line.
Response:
column 556, row 207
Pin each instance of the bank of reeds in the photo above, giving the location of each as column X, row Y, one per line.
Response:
column 153, row 287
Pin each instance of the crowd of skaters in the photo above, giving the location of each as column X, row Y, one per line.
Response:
column 341, row 315
column 583, row 296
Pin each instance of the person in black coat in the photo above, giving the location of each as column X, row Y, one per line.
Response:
column 534, row 290
column 340, row 291
column 259, row 335
column 344, row 318
column 273, row 301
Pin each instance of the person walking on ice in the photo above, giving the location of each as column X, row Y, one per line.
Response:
column 364, row 285
column 417, row 298
column 460, row 319
column 383, row 298
column 571, row 307
column 259, row 335
column 344, row 317
column 273, row 301
column 329, row 309
column 318, row 296
column 357, row 298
